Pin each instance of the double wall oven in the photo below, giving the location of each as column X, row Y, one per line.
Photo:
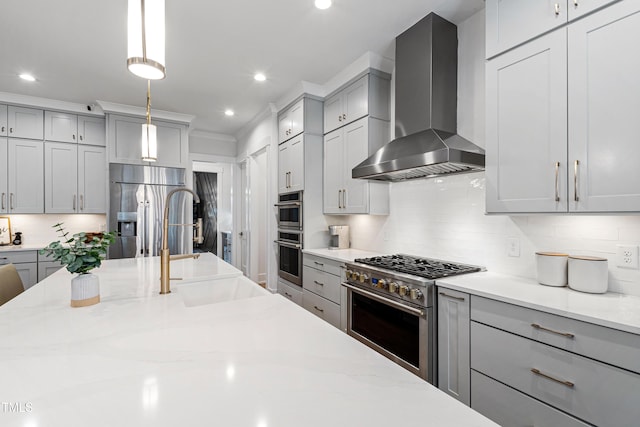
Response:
column 290, row 237
column 390, row 307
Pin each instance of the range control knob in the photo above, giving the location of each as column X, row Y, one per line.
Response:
column 363, row 278
column 349, row 273
column 415, row 294
column 403, row 290
column 355, row 276
column 393, row 286
column 382, row 284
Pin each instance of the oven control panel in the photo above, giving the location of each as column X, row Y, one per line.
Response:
column 385, row 284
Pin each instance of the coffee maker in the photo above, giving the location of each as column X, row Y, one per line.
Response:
column 338, row 237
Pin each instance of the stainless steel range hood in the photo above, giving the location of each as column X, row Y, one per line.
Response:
column 426, row 100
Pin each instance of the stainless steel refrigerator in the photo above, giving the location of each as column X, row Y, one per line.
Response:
column 137, row 195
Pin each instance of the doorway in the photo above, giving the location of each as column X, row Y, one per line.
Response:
column 206, row 187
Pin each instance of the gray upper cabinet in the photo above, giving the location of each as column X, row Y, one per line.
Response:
column 566, row 141
column 91, row 130
column 4, row 124
column 368, row 95
column 25, row 167
column 578, row 8
column 61, row 127
column 61, row 177
column 291, row 165
column 291, row 122
column 25, row 122
column 4, row 185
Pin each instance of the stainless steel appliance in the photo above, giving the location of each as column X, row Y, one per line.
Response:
column 390, row 307
column 290, row 255
column 290, row 210
column 137, row 195
column 426, row 102
column 338, row 237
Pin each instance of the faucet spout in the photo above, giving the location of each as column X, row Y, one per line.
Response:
column 165, row 257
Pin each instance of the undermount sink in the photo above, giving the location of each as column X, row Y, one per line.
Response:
column 216, row 291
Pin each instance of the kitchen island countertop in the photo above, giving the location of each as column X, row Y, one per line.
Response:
column 140, row 358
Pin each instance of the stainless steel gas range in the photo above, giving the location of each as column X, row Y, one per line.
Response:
column 390, row 307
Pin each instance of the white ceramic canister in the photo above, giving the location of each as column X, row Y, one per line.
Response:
column 588, row 274
column 552, row 268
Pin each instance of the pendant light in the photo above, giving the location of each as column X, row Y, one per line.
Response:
column 149, row 134
column 146, row 39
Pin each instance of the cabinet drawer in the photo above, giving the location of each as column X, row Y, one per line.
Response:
column 18, row 257
column 323, row 308
column 290, row 292
column 510, row 408
column 595, row 392
column 321, row 283
column 607, row 345
column 323, row 264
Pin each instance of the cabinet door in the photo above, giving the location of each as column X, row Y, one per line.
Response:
column 91, row 130
column 125, row 146
column 25, row 122
column 61, row 127
column 284, row 127
column 92, row 179
column 511, row 22
column 578, row 8
column 171, row 145
column 333, row 113
column 296, row 115
column 47, row 268
column 604, row 107
column 28, row 273
column 61, row 177
column 4, row 189
column 26, row 176
column 4, row 127
column 355, row 100
column 453, row 345
column 296, row 163
column 356, row 149
column 333, row 172
column 283, row 167
column 527, row 127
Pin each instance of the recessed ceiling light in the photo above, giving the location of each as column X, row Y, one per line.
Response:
column 27, row 77
column 229, row 112
column 260, row 77
column 323, row 4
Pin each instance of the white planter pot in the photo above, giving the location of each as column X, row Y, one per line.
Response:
column 85, row 290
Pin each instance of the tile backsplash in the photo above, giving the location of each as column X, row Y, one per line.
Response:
column 38, row 230
column 445, row 218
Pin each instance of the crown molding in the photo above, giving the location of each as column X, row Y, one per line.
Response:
column 130, row 110
column 205, row 134
column 50, row 104
column 269, row 111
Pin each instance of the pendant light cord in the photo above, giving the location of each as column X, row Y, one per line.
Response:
column 148, row 102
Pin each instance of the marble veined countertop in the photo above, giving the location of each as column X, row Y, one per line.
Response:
column 143, row 359
column 342, row 255
column 612, row 310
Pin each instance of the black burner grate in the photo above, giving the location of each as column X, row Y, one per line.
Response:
column 422, row 267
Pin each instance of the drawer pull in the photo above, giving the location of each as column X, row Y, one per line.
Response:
column 318, row 308
column 288, row 294
column 549, row 377
column 541, row 328
column 317, row 263
column 451, row 296
column 318, row 283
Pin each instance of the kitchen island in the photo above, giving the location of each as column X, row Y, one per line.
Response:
column 242, row 357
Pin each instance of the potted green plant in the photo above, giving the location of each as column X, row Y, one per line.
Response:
column 80, row 254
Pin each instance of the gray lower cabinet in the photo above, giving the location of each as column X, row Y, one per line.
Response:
column 292, row 292
column 321, row 283
column 47, row 268
column 26, row 263
column 551, row 364
column 453, row 344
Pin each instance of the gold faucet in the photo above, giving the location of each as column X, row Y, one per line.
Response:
column 165, row 257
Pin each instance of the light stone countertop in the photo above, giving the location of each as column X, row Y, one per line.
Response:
column 612, row 310
column 23, row 247
column 143, row 359
column 341, row 255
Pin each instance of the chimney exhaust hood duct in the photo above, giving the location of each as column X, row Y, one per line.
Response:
column 426, row 100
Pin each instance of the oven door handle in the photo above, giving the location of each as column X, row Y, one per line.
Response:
column 287, row 244
column 286, row 204
column 384, row 300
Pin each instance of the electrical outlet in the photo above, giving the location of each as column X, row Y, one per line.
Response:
column 627, row 256
column 513, row 247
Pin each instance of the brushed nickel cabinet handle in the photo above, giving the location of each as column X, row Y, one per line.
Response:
column 344, row 117
column 318, row 283
column 542, row 328
column 451, row 296
column 575, row 181
column 73, row 137
column 549, row 377
column 344, row 198
column 557, row 9
column 339, row 199
column 10, row 130
column 74, row 202
column 557, row 176
column 339, row 118
column 575, row 3
column 81, row 138
column 3, row 128
column 81, row 202
column 4, row 196
column 11, row 201
column 318, row 263
column 288, row 294
column 318, row 308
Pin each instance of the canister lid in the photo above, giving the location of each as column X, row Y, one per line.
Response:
column 587, row 258
column 551, row 254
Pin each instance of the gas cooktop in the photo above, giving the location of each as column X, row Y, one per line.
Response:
column 423, row 267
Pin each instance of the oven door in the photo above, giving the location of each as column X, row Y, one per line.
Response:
column 290, row 255
column 397, row 330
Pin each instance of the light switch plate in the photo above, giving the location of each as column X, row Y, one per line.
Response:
column 513, row 247
column 627, row 256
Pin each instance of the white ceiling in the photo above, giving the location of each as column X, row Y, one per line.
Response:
column 77, row 50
